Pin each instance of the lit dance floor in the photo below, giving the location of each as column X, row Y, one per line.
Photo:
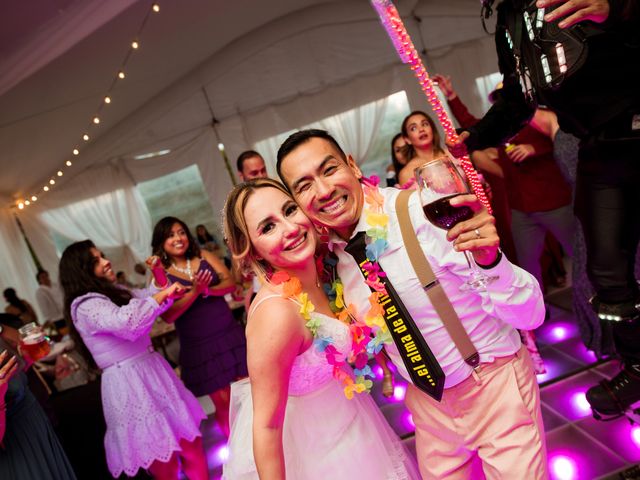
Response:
column 579, row 447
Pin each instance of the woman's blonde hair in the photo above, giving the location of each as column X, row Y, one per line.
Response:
column 236, row 232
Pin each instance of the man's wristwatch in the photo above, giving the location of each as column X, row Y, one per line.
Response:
column 492, row 264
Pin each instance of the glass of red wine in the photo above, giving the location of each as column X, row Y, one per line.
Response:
column 438, row 182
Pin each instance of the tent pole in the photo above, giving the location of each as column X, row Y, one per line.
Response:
column 34, row 257
column 221, row 148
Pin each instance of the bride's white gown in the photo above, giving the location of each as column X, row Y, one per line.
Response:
column 325, row 435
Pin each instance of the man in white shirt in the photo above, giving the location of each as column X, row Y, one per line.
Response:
column 49, row 300
column 492, row 411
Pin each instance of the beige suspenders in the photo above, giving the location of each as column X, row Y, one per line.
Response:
column 431, row 285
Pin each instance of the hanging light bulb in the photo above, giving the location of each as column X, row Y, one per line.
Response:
column 27, row 203
column 221, row 147
column 20, row 205
column 34, row 198
column 96, row 120
column 85, row 137
column 52, row 182
column 135, row 45
column 45, row 188
column 76, row 151
column 156, row 7
column 121, row 74
column 107, row 99
column 68, row 163
column 60, row 173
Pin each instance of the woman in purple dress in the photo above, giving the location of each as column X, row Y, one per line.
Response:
column 213, row 351
column 152, row 419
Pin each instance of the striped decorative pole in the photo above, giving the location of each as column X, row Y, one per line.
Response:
column 408, row 54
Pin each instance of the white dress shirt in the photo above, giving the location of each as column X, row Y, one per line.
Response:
column 50, row 302
column 490, row 318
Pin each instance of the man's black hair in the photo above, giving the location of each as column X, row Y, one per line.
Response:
column 243, row 156
column 298, row 138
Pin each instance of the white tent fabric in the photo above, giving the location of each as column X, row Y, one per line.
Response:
column 117, row 220
column 288, row 65
column 18, row 270
column 355, row 131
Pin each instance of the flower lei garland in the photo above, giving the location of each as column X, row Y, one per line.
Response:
column 368, row 337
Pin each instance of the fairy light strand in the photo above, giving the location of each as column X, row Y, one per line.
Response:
column 401, row 40
column 134, row 46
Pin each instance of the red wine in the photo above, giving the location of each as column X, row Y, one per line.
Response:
column 442, row 214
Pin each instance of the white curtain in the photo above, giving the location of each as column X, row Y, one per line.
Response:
column 111, row 213
column 18, row 270
column 355, row 131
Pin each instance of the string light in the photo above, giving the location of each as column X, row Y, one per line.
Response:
column 221, row 147
column 135, row 44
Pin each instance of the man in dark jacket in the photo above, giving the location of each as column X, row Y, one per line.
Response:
column 581, row 58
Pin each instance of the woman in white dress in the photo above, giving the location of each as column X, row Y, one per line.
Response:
column 291, row 418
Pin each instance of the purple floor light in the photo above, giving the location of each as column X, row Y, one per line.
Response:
column 563, row 467
column 635, row 435
column 407, row 420
column 399, row 392
column 217, row 455
column 580, row 405
column 556, row 332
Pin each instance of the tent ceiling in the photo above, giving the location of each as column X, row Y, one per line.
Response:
column 58, row 57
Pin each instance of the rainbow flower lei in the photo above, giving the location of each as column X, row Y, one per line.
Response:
column 369, row 336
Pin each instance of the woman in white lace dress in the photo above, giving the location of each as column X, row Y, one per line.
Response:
column 291, row 418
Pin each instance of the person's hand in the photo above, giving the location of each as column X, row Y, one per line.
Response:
column 458, row 148
column 153, row 262
column 176, row 291
column 201, row 281
column 519, row 153
column 7, row 369
column 173, row 292
column 445, row 85
column 478, row 234
column 575, row 11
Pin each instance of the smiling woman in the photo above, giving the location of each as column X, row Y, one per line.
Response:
column 140, row 391
column 212, row 344
column 294, row 393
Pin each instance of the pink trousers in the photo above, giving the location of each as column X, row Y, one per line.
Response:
column 494, row 415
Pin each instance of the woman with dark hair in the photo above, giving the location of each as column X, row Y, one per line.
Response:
column 152, row 419
column 398, row 159
column 423, row 143
column 18, row 307
column 212, row 344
